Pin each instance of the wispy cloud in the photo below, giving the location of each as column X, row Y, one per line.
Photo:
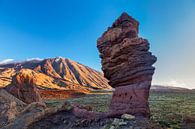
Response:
column 176, row 83
column 6, row 61
column 34, row 59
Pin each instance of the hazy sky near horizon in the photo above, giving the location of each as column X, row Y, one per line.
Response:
column 70, row 28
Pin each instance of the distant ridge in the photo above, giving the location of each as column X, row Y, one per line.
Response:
column 160, row 88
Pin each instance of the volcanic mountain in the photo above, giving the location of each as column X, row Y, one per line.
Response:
column 55, row 73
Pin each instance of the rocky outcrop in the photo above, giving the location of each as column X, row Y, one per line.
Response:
column 36, row 112
column 67, row 119
column 9, row 107
column 23, row 88
column 127, row 64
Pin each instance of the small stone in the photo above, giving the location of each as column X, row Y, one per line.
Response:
column 107, row 126
column 112, row 127
column 116, row 121
column 65, row 122
column 128, row 117
column 122, row 123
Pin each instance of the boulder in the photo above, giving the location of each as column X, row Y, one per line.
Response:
column 128, row 117
column 84, row 113
column 127, row 64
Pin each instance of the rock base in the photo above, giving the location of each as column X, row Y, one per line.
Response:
column 131, row 99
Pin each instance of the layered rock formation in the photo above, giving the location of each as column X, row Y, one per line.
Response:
column 127, row 64
column 23, row 88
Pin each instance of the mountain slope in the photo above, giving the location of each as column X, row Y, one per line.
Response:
column 6, row 76
column 55, row 73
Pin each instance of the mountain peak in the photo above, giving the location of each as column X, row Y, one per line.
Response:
column 60, row 73
column 58, row 58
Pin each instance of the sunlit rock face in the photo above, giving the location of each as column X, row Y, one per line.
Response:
column 127, row 64
column 23, row 87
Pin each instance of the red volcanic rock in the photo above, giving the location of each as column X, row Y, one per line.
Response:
column 87, row 113
column 127, row 64
column 131, row 99
column 84, row 113
column 23, row 87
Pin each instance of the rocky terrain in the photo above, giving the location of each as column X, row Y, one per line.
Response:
column 10, row 107
column 23, row 87
column 21, row 107
column 39, row 116
column 127, row 64
column 69, row 121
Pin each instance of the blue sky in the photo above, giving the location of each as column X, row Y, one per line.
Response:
column 70, row 28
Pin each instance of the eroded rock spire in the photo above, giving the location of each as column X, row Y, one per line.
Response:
column 127, row 64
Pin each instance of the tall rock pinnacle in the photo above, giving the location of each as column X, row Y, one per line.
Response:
column 127, row 64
